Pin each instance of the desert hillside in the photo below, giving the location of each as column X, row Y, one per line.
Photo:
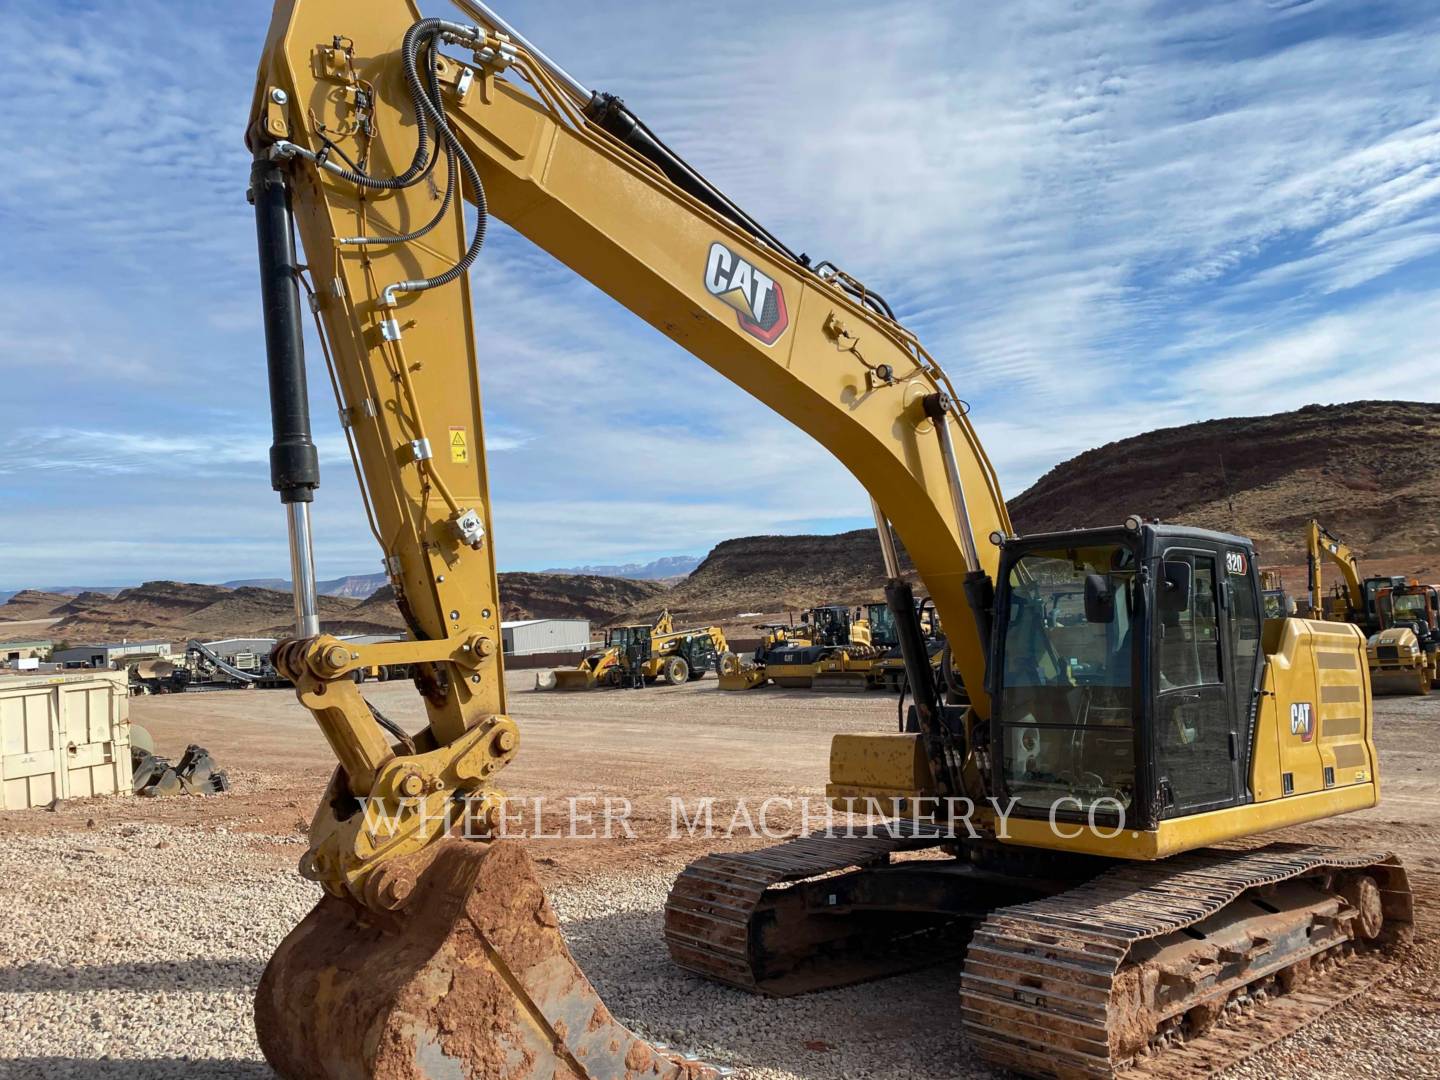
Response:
column 30, row 604
column 1370, row 470
column 779, row 573
column 178, row 610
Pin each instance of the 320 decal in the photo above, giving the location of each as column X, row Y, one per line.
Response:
column 757, row 298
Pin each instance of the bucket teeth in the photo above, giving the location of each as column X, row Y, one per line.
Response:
column 470, row 978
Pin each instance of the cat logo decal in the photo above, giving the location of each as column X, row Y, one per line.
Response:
column 757, row 298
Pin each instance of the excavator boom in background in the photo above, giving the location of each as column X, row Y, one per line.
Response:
column 1121, row 694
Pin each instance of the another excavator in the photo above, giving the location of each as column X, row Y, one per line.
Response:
column 1396, row 651
column 1128, row 707
column 640, row 653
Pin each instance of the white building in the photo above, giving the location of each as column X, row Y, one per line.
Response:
column 109, row 656
column 525, row 637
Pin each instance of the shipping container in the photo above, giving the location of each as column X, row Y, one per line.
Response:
column 63, row 737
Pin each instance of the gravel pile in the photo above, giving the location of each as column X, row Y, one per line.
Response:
column 131, row 952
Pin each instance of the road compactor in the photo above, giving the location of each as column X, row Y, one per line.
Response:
column 1128, row 709
column 793, row 656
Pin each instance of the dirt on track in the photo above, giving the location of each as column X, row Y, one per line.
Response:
column 645, row 746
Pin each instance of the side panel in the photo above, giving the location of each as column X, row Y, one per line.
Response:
column 1315, row 729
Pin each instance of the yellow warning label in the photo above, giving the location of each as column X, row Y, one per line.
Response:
column 459, row 448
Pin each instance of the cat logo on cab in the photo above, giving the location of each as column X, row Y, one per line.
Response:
column 1302, row 720
column 757, row 298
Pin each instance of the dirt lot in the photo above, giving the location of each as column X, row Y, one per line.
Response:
column 136, row 929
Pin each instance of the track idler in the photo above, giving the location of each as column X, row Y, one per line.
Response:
column 468, row 978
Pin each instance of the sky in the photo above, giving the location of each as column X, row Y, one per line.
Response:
column 1101, row 217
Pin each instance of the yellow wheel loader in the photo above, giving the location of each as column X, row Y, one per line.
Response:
column 640, row 653
column 1130, row 714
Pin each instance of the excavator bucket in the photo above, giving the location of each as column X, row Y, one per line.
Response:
column 469, row 978
column 573, row 679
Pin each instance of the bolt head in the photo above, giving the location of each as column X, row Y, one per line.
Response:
column 278, row 96
column 505, row 740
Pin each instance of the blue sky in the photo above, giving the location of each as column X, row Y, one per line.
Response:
column 1102, row 217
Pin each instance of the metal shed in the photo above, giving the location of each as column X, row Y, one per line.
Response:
column 525, row 637
column 63, row 737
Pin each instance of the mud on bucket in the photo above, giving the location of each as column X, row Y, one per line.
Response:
column 470, row 979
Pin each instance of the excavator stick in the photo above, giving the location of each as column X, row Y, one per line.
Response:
column 468, row 978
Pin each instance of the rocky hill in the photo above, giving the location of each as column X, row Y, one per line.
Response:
column 1370, row 470
column 602, row 600
column 30, row 604
column 179, row 610
column 779, row 573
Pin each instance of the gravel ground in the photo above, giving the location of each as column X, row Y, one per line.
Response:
column 115, row 965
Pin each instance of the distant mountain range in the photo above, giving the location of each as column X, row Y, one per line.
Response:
column 669, row 566
column 362, row 586
column 356, row 586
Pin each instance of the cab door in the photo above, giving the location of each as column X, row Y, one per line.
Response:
column 1196, row 737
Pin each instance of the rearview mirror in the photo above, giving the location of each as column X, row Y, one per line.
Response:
column 1175, row 595
column 1099, row 599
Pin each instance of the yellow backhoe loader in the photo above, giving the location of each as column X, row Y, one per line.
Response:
column 1128, row 710
column 1396, row 651
column 640, row 653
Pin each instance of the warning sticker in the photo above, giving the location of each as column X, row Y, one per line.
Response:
column 459, row 447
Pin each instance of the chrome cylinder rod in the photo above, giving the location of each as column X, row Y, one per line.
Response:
column 887, row 542
column 937, row 407
column 302, row 570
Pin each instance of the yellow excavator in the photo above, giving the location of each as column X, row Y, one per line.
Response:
column 640, row 653
column 1128, row 709
column 1401, row 655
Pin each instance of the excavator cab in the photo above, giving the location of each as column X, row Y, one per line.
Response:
column 1127, row 664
